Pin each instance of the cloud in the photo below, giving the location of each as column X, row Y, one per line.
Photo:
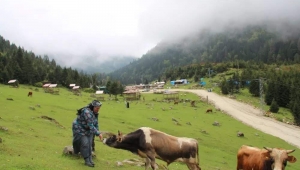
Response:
column 72, row 31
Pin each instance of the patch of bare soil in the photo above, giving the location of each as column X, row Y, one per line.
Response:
column 53, row 120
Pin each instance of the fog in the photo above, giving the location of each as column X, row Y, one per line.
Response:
column 72, row 31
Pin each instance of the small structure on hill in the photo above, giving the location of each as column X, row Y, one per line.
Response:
column 104, row 89
column 132, row 95
column 13, row 83
column 170, row 95
column 72, row 85
column 100, row 95
column 45, row 86
column 51, row 88
column 76, row 90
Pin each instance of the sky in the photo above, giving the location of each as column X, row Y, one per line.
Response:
column 71, row 31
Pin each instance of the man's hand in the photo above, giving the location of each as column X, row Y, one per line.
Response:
column 100, row 137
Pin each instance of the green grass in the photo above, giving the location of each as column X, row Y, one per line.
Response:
column 33, row 143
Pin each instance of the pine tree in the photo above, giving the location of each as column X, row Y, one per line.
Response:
column 274, row 106
column 224, row 87
column 269, row 93
column 254, row 88
column 296, row 112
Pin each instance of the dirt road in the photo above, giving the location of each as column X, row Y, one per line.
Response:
column 252, row 117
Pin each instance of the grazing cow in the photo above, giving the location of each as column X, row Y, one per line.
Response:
column 29, row 94
column 175, row 102
column 193, row 103
column 150, row 144
column 252, row 158
column 208, row 110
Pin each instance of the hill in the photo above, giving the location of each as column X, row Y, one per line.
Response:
column 253, row 43
column 32, row 142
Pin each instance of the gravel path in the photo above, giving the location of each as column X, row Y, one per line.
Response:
column 252, row 117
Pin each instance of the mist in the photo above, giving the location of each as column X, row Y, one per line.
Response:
column 73, row 32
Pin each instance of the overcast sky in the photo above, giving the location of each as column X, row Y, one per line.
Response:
column 101, row 29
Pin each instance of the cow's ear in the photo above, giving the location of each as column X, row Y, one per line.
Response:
column 119, row 133
column 291, row 159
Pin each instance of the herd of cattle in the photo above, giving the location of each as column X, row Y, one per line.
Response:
column 150, row 144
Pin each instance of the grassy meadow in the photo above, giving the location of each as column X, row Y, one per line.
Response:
column 34, row 143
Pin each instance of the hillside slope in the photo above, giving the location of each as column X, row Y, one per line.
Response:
column 251, row 43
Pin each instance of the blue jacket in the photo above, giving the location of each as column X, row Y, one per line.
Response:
column 86, row 123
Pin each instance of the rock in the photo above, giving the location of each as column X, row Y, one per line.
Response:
column 154, row 119
column 216, row 123
column 68, row 150
column 3, row 128
column 173, row 119
column 240, row 134
column 119, row 163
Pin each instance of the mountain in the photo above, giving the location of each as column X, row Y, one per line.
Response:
column 107, row 66
column 257, row 43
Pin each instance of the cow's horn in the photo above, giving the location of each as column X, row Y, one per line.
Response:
column 290, row 151
column 269, row 149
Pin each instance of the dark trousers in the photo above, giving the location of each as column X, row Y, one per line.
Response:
column 83, row 144
column 93, row 143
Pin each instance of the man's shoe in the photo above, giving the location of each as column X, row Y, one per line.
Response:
column 91, row 160
column 87, row 162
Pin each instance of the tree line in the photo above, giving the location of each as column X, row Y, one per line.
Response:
column 280, row 85
column 254, row 43
column 28, row 68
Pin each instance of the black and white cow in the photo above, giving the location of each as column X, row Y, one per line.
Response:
column 149, row 143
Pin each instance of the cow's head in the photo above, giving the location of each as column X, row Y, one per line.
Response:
column 279, row 158
column 113, row 140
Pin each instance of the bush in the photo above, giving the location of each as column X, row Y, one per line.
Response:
column 89, row 90
column 38, row 84
column 274, row 106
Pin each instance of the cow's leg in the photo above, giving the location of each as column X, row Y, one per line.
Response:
column 147, row 163
column 151, row 157
column 193, row 166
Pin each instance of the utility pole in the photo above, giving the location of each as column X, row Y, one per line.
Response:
column 261, row 94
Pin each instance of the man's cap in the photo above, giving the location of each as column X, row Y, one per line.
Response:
column 96, row 103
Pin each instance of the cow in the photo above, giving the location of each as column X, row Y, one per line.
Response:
column 175, row 102
column 252, row 158
column 29, row 94
column 150, row 144
column 193, row 103
column 208, row 110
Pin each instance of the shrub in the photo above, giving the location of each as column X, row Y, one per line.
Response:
column 274, row 106
column 38, row 84
column 89, row 90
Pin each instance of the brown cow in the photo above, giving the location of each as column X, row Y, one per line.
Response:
column 175, row 102
column 208, row 110
column 252, row 158
column 29, row 94
column 193, row 103
column 149, row 143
